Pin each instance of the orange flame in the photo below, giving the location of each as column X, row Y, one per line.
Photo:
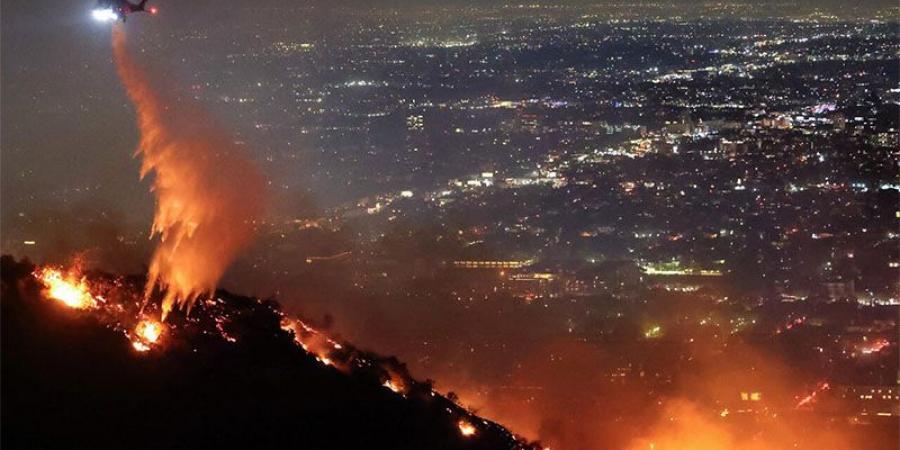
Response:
column 395, row 381
column 396, row 387
column 823, row 386
column 311, row 341
column 147, row 334
column 67, row 288
column 209, row 195
column 466, row 428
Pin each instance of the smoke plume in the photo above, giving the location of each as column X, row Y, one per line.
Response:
column 208, row 193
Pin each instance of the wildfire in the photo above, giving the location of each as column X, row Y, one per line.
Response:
column 392, row 386
column 329, row 352
column 874, row 347
column 823, row 386
column 311, row 340
column 466, row 428
column 791, row 325
column 140, row 346
column 67, row 288
column 71, row 289
column 146, row 334
column 209, row 195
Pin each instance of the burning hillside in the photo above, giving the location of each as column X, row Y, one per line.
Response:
column 209, row 194
column 98, row 361
column 86, row 367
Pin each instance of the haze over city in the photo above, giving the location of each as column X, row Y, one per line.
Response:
column 580, row 225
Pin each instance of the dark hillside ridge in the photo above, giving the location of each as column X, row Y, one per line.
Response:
column 72, row 381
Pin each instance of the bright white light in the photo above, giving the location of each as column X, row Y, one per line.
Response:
column 104, row 15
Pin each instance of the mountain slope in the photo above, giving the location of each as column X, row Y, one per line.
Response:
column 70, row 380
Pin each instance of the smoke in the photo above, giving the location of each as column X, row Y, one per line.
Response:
column 513, row 363
column 684, row 425
column 208, row 193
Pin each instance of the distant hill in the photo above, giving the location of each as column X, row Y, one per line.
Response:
column 72, row 379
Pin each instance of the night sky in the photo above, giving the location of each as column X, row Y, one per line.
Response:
column 68, row 129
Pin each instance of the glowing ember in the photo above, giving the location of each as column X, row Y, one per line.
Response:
column 874, row 347
column 149, row 330
column 812, row 396
column 791, row 325
column 140, row 346
column 68, row 288
column 310, row 340
column 147, row 333
column 466, row 428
